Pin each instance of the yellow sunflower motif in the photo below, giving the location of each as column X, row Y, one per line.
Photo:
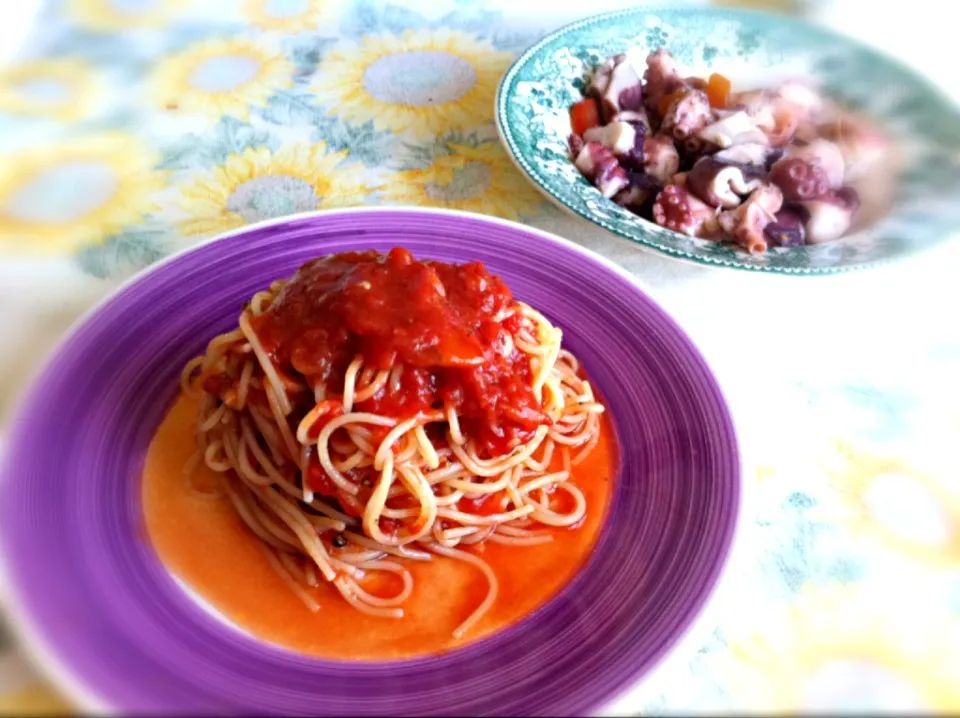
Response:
column 59, row 197
column 476, row 179
column 221, row 77
column 900, row 506
column 63, row 90
column 258, row 185
column 289, row 16
column 838, row 645
column 425, row 81
column 123, row 15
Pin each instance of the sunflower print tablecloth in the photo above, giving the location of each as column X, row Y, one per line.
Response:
column 132, row 128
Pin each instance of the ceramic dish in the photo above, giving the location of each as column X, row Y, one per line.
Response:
column 119, row 633
column 535, row 96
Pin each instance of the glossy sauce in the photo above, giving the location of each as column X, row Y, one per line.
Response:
column 203, row 542
column 445, row 323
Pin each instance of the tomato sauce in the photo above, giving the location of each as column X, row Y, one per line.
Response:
column 201, row 539
column 449, row 326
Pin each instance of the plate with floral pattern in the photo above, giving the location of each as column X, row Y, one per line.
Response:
column 535, row 96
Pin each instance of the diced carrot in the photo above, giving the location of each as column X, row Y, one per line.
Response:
column 584, row 115
column 718, row 90
column 669, row 100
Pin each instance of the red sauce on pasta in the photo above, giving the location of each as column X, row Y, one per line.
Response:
column 202, row 540
column 399, row 389
column 449, row 326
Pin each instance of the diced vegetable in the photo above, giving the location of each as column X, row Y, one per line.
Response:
column 584, row 115
column 718, row 90
column 669, row 99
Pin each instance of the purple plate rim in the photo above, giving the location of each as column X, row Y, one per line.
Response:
column 30, row 634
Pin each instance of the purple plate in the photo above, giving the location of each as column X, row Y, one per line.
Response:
column 92, row 598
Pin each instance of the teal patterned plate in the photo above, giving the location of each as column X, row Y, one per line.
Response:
column 535, row 95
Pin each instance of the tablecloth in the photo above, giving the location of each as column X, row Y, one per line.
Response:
column 132, row 128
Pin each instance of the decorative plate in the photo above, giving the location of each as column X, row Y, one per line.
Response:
column 120, row 634
column 535, row 96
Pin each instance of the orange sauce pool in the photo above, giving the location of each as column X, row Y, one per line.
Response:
column 204, row 543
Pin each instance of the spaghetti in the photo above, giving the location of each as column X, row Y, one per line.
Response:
column 376, row 409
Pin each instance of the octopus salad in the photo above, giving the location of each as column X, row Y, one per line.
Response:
column 777, row 167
